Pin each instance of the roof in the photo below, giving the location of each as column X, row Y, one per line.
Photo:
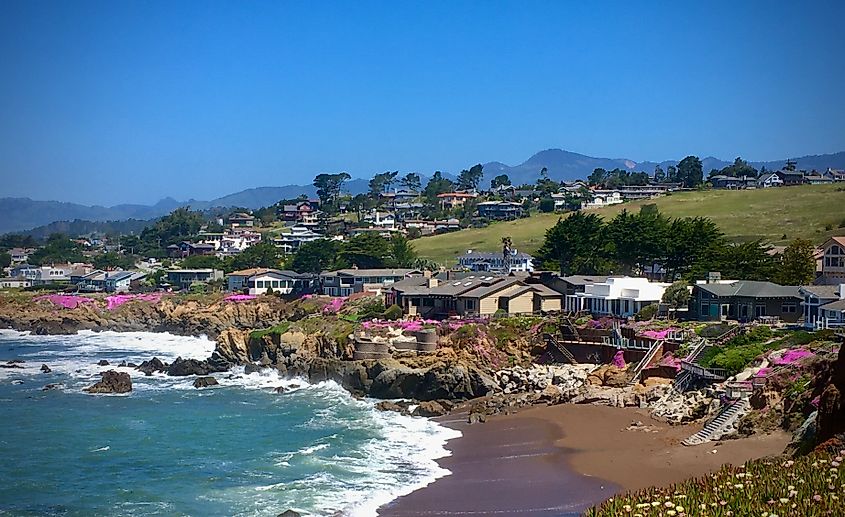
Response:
column 457, row 194
column 252, row 271
column 838, row 305
column 486, row 290
column 278, row 274
column 544, row 290
column 584, row 279
column 751, row 289
column 822, row 291
column 838, row 240
column 371, row 272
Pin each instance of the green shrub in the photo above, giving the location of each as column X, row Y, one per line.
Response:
column 394, row 312
column 279, row 329
column 646, row 313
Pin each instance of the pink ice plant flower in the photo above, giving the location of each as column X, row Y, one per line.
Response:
column 334, row 305
column 65, row 301
column 239, row 298
column 793, row 356
column 117, row 300
column 619, row 359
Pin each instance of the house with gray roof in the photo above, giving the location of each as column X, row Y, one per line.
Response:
column 744, row 300
column 823, row 306
column 495, row 261
column 345, row 282
column 481, row 295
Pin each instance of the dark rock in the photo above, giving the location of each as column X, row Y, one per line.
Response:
column 17, row 382
column 45, row 368
column 11, row 366
column 251, row 368
column 279, row 389
column 53, row 386
column 131, row 365
column 103, row 362
column 204, row 382
column 430, row 408
column 122, row 364
column 294, row 386
column 153, row 365
column 398, row 407
column 15, row 361
column 112, row 382
column 183, row 367
column 831, row 416
column 289, row 513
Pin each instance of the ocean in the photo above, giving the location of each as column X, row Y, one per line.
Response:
column 168, row 448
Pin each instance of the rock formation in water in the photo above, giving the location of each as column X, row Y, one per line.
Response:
column 112, row 382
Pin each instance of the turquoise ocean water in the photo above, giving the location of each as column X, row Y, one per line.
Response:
column 170, row 449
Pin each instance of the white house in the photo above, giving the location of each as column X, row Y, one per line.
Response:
column 617, row 296
column 823, row 306
column 603, row 198
column 14, row 283
column 281, row 282
column 495, row 262
column 291, row 241
column 770, row 179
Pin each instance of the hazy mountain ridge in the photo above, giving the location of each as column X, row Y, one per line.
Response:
column 22, row 214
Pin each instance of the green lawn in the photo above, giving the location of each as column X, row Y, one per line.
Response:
column 769, row 214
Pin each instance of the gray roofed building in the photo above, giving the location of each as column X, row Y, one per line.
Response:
column 745, row 300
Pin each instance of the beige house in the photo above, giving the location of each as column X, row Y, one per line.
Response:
column 472, row 296
column 833, row 261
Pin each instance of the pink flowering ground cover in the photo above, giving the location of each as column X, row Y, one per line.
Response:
column 65, row 301
column 239, row 298
column 671, row 360
column 405, row 325
column 793, row 356
column 115, row 301
column 658, row 334
column 333, row 306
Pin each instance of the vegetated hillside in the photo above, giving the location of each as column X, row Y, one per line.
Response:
column 769, row 214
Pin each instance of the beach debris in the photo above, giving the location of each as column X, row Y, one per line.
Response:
column 112, row 381
column 205, row 382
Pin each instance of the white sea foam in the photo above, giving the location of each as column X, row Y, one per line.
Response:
column 398, row 457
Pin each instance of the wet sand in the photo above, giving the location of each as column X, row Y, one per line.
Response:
column 559, row 460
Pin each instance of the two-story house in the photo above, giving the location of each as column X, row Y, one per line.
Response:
column 345, row 282
column 832, row 270
column 500, row 210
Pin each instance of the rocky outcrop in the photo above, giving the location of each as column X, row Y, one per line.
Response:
column 205, row 382
column 153, row 365
column 831, row 412
column 431, row 408
column 184, row 367
column 45, row 369
column 678, row 408
column 112, row 382
column 172, row 314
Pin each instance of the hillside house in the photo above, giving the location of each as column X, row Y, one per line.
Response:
column 184, row 278
column 817, row 298
column 241, row 220
column 791, row 178
column 720, row 181
column 635, row 192
column 14, row 283
column 451, row 200
column 815, row 178
column 832, row 267
column 189, row 249
column 495, row 262
column 281, row 282
column 768, row 180
column 291, row 241
column 834, row 174
column 616, row 296
column 744, row 300
column 20, row 255
column 106, row 281
column 471, row 296
column 345, row 282
column 600, row 198
column 500, row 210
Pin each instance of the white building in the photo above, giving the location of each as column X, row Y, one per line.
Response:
column 617, row 296
column 603, row 198
column 495, row 262
column 291, row 241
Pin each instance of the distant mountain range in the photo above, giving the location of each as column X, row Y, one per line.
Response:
column 23, row 214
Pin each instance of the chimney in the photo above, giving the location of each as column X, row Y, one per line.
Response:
column 842, row 291
column 432, row 282
column 714, row 277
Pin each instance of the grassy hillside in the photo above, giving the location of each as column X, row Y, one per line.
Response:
column 804, row 211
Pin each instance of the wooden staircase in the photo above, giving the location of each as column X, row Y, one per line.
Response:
column 645, row 361
column 723, row 419
column 552, row 343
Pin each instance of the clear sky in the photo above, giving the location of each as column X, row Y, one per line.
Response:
column 122, row 101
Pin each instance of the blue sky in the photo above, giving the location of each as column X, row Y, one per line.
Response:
column 109, row 102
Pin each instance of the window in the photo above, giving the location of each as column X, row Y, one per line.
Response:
column 275, row 284
column 428, row 302
column 789, row 308
column 470, row 305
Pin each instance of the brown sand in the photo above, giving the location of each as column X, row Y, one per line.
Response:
column 558, row 460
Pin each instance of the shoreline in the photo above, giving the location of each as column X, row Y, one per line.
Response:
column 560, row 460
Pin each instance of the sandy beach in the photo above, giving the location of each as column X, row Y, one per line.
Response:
column 559, row 460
